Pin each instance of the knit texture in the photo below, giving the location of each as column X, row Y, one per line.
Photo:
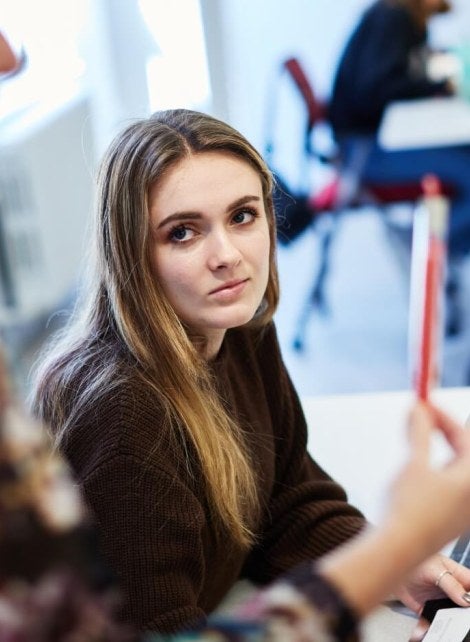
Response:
column 151, row 513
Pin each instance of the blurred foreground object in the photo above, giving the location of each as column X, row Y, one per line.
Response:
column 52, row 585
column 10, row 61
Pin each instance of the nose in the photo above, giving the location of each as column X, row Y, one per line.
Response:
column 222, row 250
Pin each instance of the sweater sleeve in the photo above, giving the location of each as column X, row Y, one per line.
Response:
column 151, row 536
column 308, row 513
column 149, row 518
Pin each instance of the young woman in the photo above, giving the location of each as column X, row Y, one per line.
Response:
column 168, row 393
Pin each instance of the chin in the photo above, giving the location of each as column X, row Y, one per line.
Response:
column 236, row 320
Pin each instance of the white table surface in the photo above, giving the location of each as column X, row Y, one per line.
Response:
column 426, row 122
column 360, row 439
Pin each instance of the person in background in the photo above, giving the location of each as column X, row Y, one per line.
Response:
column 168, row 394
column 385, row 60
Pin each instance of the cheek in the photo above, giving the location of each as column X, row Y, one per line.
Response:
column 174, row 273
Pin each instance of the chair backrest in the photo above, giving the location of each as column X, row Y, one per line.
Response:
column 316, row 109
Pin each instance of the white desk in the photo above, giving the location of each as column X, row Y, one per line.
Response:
column 360, row 440
column 427, row 122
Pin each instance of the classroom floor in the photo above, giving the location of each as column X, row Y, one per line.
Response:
column 362, row 343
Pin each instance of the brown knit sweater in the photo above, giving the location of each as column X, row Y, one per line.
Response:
column 151, row 513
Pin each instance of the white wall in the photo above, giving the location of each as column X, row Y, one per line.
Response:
column 258, row 34
column 116, row 50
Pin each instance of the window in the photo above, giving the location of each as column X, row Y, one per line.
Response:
column 50, row 32
column 178, row 75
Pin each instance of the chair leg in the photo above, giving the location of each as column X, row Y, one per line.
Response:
column 317, row 298
column 453, row 303
column 298, row 342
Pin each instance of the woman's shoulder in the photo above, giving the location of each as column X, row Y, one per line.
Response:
column 123, row 420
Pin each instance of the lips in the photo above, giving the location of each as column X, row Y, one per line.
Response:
column 229, row 286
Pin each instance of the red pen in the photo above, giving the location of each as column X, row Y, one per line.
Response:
column 427, row 274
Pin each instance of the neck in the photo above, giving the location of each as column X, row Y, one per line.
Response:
column 213, row 344
column 209, row 344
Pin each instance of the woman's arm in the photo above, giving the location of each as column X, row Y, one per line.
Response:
column 428, row 508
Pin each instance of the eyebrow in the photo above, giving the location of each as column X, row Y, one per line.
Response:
column 191, row 215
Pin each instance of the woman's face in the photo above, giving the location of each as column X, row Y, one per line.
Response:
column 211, row 242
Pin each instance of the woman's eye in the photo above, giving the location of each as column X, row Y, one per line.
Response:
column 180, row 234
column 244, row 216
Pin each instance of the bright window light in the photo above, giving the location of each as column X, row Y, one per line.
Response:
column 178, row 75
column 49, row 33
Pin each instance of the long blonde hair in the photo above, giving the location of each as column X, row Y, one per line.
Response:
column 125, row 303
